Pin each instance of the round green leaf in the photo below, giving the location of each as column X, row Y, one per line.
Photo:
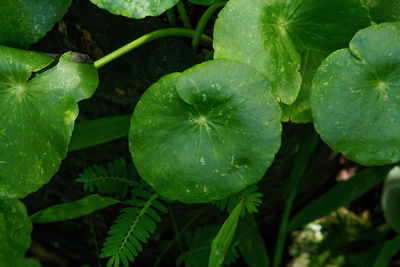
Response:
column 268, row 34
column 391, row 198
column 15, row 229
column 355, row 97
column 136, row 9
column 207, row 133
column 37, row 116
column 24, row 22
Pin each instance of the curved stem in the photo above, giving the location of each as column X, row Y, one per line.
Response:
column 146, row 39
column 203, row 23
column 184, row 15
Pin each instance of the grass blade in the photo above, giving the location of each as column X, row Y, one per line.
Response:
column 73, row 210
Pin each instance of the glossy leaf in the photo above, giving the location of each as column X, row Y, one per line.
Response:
column 355, row 97
column 72, row 210
column 338, row 196
column 15, row 229
column 383, row 10
column 207, row 133
column 222, row 242
column 268, row 34
column 389, row 249
column 136, row 9
column 38, row 114
column 96, row 132
column 251, row 244
column 24, row 22
column 391, row 198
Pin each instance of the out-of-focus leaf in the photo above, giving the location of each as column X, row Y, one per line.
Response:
column 391, row 198
column 222, row 242
column 341, row 194
column 96, row 132
column 19, row 262
column 251, row 245
column 389, row 249
column 73, row 210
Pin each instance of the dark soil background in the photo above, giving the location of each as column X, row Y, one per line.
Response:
column 88, row 29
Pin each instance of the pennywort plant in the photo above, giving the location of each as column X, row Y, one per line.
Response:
column 209, row 133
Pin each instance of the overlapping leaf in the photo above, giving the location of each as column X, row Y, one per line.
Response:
column 135, row 8
column 269, row 34
column 37, row 116
column 383, row 10
column 355, row 97
column 24, row 22
column 207, row 133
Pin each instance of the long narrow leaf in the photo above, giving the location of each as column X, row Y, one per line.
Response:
column 96, row 132
column 223, row 240
column 73, row 210
column 340, row 195
column 389, row 249
column 251, row 245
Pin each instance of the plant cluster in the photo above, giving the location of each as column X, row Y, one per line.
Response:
column 209, row 133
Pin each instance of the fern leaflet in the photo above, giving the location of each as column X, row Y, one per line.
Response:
column 113, row 180
column 250, row 197
column 132, row 227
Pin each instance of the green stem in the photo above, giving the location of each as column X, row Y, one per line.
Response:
column 307, row 148
column 175, row 226
column 203, row 23
column 146, row 39
column 280, row 243
column 184, row 15
column 169, row 245
column 171, row 17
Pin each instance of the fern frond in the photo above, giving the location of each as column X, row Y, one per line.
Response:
column 132, row 228
column 199, row 245
column 113, row 180
column 250, row 197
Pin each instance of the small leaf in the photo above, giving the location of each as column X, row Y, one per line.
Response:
column 338, row 196
column 72, row 210
column 24, row 22
column 268, row 34
column 38, row 114
column 96, row 132
column 136, row 9
column 355, row 97
column 391, row 198
column 222, row 242
column 15, row 229
column 389, row 249
column 207, row 133
column 251, row 244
